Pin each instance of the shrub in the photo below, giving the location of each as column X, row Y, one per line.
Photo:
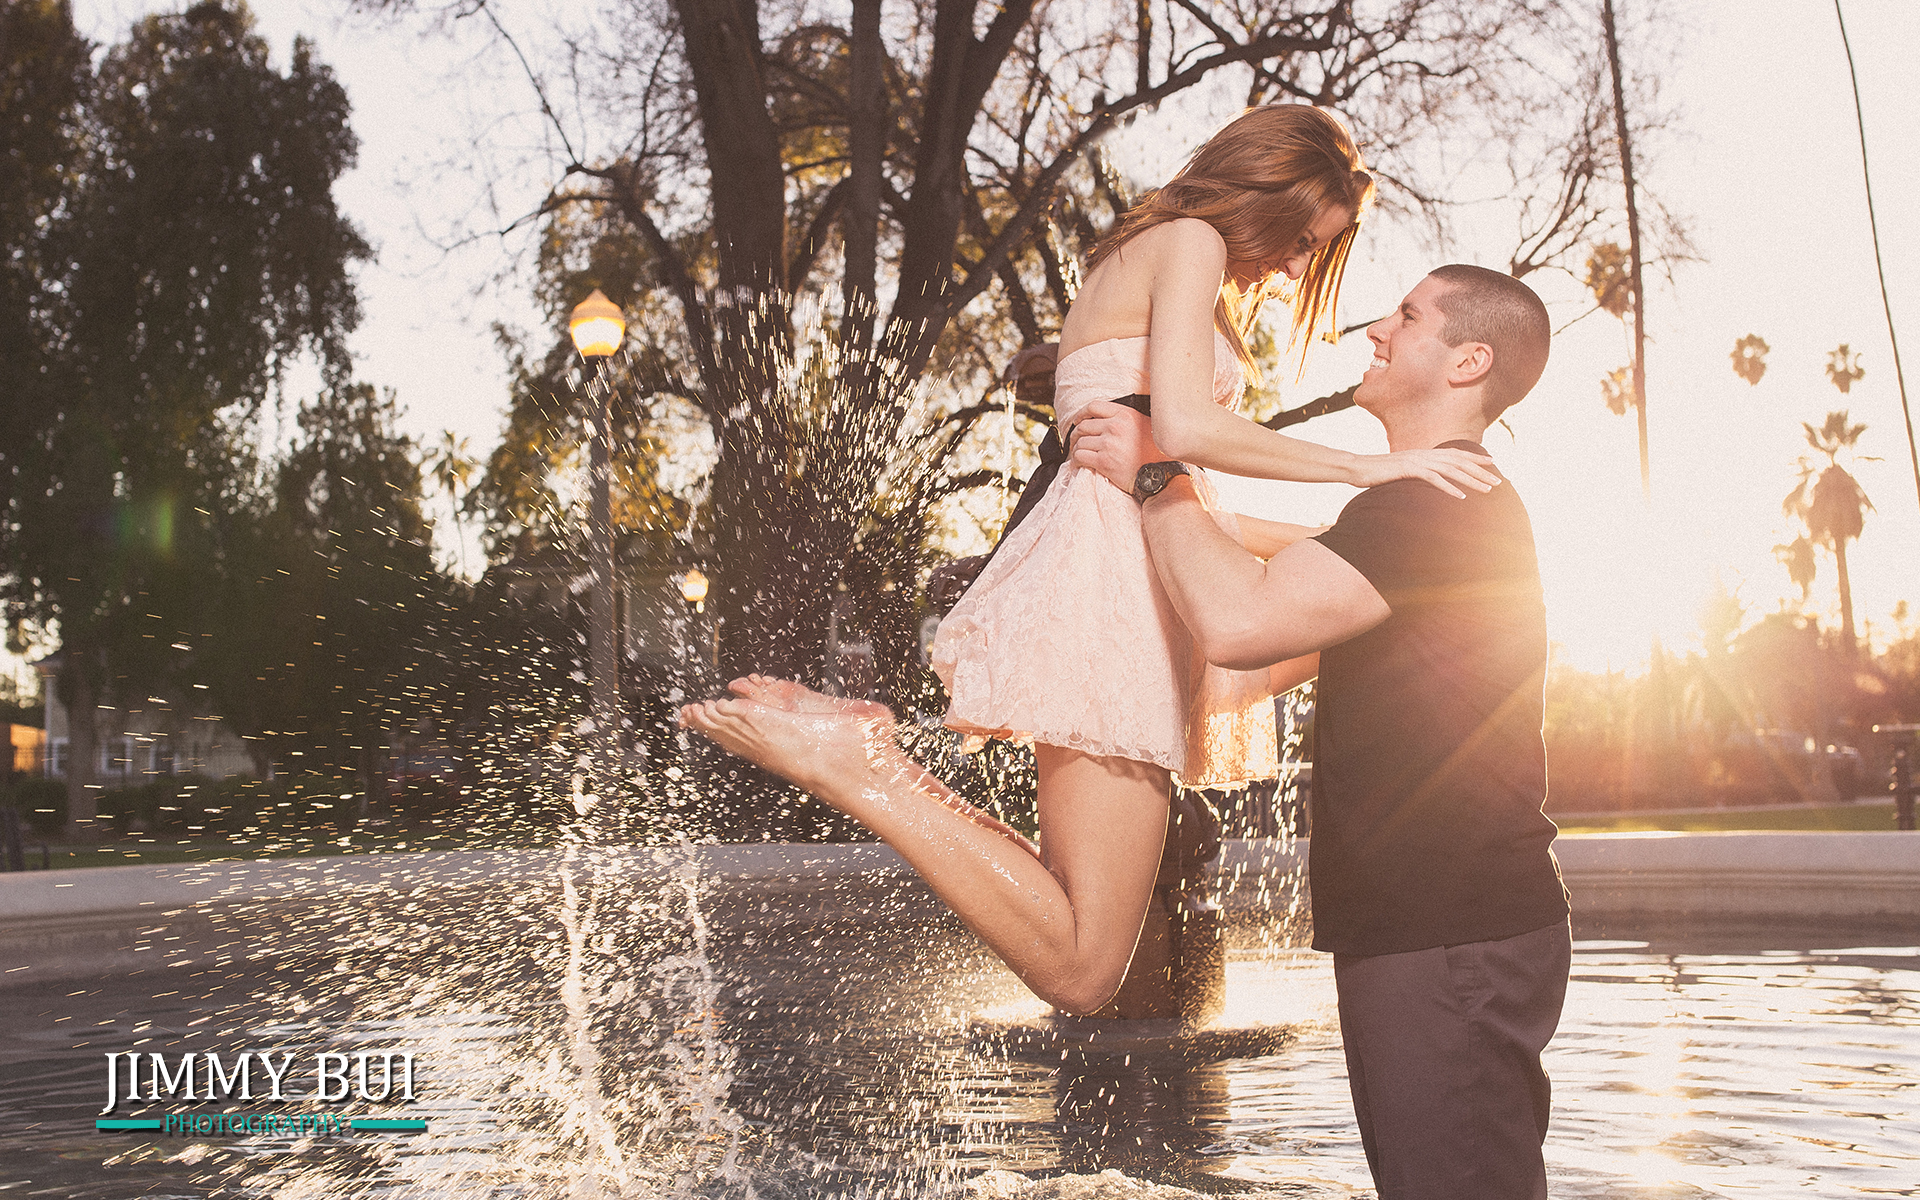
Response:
column 128, row 807
column 237, row 805
column 42, row 804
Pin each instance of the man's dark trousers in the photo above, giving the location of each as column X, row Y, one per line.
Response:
column 1443, row 1058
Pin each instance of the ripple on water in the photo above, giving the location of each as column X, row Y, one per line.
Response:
column 1770, row 1073
column 1679, row 1071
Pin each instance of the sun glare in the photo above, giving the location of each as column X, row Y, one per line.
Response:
column 1631, row 583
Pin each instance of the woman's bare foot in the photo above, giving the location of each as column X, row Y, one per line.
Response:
column 878, row 752
column 794, row 697
column 834, row 755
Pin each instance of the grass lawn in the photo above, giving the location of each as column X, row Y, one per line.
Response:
column 1846, row 817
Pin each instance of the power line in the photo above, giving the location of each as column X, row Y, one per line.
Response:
column 1872, row 223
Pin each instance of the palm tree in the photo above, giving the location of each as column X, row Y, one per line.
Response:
column 1797, row 557
column 451, row 467
column 1832, row 505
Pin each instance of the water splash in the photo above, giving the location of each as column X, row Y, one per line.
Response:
column 701, row 1058
column 586, row 1115
column 572, row 995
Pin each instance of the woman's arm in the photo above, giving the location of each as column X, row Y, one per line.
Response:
column 1243, row 613
column 1187, row 260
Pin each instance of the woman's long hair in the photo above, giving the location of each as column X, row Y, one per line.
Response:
column 1261, row 181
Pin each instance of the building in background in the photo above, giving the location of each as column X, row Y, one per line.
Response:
column 655, row 630
column 28, row 746
column 137, row 743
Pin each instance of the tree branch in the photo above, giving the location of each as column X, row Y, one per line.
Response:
column 1341, row 399
column 1103, row 119
column 967, row 482
column 1019, row 303
column 679, row 280
column 808, row 251
column 973, row 412
column 539, row 89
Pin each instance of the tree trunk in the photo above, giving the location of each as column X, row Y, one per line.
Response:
column 866, row 150
column 958, row 76
column 1633, row 248
column 1142, row 45
column 83, row 745
column 748, row 182
column 1666, row 748
column 774, row 591
column 1821, row 786
column 1879, row 265
column 1847, row 637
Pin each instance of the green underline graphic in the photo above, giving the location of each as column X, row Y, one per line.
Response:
column 357, row 1124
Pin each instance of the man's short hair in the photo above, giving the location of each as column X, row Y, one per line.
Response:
column 1506, row 316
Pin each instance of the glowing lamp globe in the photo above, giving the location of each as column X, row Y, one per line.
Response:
column 596, row 326
column 693, row 586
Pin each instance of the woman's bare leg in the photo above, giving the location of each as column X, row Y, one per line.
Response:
column 1103, row 826
column 1065, row 921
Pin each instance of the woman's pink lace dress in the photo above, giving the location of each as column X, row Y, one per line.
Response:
column 1067, row 637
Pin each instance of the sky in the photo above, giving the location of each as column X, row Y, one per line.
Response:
column 1765, row 165
column 1762, row 161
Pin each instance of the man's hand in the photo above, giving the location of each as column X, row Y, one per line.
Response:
column 1115, row 441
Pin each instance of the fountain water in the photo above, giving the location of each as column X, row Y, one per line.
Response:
column 605, row 1019
column 600, row 1021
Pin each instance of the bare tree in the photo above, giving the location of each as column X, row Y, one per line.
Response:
column 922, row 164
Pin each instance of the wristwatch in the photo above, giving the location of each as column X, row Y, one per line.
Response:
column 1153, row 477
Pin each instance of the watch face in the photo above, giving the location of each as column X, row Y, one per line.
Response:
column 1153, row 477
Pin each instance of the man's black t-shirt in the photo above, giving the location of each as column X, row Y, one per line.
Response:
column 1429, row 766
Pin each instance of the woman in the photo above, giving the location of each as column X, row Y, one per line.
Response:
column 1066, row 639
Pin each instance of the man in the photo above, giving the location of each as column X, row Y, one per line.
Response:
column 1433, row 884
column 1432, row 879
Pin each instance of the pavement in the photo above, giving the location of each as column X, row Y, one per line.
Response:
column 81, row 922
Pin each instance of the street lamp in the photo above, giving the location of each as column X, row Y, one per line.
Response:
column 597, row 328
column 693, row 589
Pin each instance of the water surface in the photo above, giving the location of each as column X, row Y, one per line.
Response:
column 833, row 1055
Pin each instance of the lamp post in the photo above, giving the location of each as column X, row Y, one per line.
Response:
column 693, row 589
column 597, row 328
